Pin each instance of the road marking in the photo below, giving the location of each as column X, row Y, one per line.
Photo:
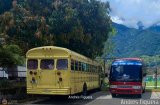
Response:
column 155, row 95
column 105, row 97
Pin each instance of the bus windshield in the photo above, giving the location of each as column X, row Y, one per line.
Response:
column 126, row 73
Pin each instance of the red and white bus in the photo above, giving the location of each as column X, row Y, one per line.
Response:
column 127, row 76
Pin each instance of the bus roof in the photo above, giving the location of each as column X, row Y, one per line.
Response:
column 134, row 59
column 60, row 48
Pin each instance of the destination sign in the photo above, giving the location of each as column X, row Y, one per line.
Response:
column 126, row 63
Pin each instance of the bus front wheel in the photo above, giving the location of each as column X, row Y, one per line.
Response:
column 139, row 95
column 113, row 95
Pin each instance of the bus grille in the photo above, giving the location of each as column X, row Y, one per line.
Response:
column 124, row 91
column 124, row 86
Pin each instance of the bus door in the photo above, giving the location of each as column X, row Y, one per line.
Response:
column 47, row 73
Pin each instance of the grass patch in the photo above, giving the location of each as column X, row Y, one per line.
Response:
column 152, row 83
column 150, row 86
column 153, row 90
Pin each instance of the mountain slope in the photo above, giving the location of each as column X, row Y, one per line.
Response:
column 130, row 42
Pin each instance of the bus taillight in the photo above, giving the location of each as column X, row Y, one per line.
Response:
column 30, row 72
column 60, row 79
column 58, row 73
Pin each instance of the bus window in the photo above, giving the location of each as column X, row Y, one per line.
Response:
column 90, row 68
column 32, row 64
column 80, row 66
column 93, row 68
column 47, row 64
column 76, row 65
column 62, row 64
column 72, row 64
column 85, row 67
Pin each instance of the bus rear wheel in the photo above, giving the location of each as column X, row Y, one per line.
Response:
column 84, row 92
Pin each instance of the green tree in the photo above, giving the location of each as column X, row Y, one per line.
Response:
column 10, row 55
column 80, row 25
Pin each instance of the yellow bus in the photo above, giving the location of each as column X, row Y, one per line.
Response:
column 59, row 71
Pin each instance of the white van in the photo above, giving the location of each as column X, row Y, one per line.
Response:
column 3, row 73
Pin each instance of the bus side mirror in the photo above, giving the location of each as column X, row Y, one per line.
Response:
column 106, row 74
column 144, row 74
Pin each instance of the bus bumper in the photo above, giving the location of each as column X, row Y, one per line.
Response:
column 125, row 91
column 49, row 91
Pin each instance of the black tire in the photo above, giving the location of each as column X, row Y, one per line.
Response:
column 139, row 95
column 113, row 95
column 84, row 92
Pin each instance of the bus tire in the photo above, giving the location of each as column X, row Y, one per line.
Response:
column 139, row 95
column 113, row 95
column 84, row 92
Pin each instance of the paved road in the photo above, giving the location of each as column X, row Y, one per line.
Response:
column 104, row 98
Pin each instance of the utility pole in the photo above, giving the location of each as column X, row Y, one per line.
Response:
column 155, row 73
column 104, row 61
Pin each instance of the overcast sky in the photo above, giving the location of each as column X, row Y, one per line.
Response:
column 129, row 12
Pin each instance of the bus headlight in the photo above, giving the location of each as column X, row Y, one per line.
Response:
column 136, row 87
column 113, row 86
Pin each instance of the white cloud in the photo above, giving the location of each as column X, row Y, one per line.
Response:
column 116, row 19
column 132, row 11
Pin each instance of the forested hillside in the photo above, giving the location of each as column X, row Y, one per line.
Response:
column 130, row 42
column 80, row 25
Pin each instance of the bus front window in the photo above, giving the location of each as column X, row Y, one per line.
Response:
column 62, row 64
column 32, row 64
column 126, row 73
column 47, row 64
